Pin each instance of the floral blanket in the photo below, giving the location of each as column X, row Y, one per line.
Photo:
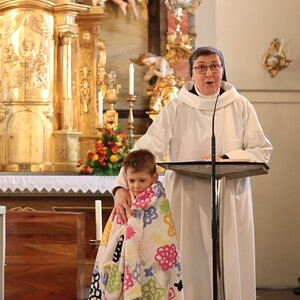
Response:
column 140, row 259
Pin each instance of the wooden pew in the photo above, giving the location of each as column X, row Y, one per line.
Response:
column 44, row 255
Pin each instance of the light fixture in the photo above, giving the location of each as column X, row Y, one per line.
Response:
column 177, row 7
column 275, row 59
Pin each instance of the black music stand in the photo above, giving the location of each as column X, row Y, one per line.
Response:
column 230, row 169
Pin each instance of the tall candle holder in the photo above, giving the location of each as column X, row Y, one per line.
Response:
column 131, row 99
column 111, row 97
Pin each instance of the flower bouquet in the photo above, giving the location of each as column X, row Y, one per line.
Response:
column 107, row 156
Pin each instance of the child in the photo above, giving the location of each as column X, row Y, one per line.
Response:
column 139, row 259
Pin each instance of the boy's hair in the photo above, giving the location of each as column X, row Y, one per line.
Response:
column 140, row 160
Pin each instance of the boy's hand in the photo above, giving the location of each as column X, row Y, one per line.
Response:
column 122, row 205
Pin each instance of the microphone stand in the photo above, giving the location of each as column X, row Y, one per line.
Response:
column 215, row 221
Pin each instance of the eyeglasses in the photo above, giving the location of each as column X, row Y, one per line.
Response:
column 202, row 69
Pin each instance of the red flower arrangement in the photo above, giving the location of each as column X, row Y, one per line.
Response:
column 107, row 156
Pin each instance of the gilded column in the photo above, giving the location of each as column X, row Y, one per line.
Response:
column 66, row 77
column 91, row 62
column 66, row 135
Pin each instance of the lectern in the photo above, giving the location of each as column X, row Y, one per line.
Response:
column 229, row 169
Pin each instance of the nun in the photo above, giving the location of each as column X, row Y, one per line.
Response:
column 182, row 132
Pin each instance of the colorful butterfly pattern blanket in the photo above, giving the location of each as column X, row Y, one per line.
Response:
column 139, row 259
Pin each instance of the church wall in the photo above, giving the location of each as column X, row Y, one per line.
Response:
column 243, row 30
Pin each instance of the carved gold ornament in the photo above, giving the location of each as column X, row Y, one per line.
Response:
column 275, row 58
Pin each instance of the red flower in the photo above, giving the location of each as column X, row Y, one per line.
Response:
column 114, row 149
column 89, row 155
column 88, row 170
column 122, row 134
column 101, row 158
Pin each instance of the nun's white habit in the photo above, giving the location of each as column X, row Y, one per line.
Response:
column 182, row 132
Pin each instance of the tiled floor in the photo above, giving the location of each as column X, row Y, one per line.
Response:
column 278, row 294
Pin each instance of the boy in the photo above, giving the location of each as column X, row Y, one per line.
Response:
column 139, row 259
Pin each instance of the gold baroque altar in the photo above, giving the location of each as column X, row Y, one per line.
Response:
column 52, row 63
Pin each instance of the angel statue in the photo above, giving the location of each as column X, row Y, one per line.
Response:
column 122, row 5
column 157, row 66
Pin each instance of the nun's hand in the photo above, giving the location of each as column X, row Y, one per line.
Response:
column 122, row 205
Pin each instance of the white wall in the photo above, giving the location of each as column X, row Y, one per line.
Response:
column 243, row 30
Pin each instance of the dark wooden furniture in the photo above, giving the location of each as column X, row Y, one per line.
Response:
column 44, row 255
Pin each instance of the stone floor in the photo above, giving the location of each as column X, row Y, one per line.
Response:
column 276, row 294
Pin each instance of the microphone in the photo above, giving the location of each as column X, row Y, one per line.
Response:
column 215, row 223
column 213, row 138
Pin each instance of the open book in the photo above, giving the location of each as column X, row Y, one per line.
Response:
column 235, row 160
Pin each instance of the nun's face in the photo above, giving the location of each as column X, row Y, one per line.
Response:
column 207, row 73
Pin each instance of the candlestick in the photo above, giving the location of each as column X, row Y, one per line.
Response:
column 98, row 206
column 131, row 79
column 100, row 107
column 95, row 244
column 131, row 99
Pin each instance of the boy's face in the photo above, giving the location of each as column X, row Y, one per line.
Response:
column 139, row 181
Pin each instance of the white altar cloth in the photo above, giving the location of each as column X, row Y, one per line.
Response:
column 56, row 183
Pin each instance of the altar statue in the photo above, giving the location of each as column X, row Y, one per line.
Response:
column 122, row 5
column 157, row 66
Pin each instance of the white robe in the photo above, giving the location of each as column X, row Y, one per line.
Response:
column 182, row 132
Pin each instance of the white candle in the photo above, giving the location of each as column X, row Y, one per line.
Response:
column 131, row 79
column 98, row 206
column 100, row 107
column 281, row 46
